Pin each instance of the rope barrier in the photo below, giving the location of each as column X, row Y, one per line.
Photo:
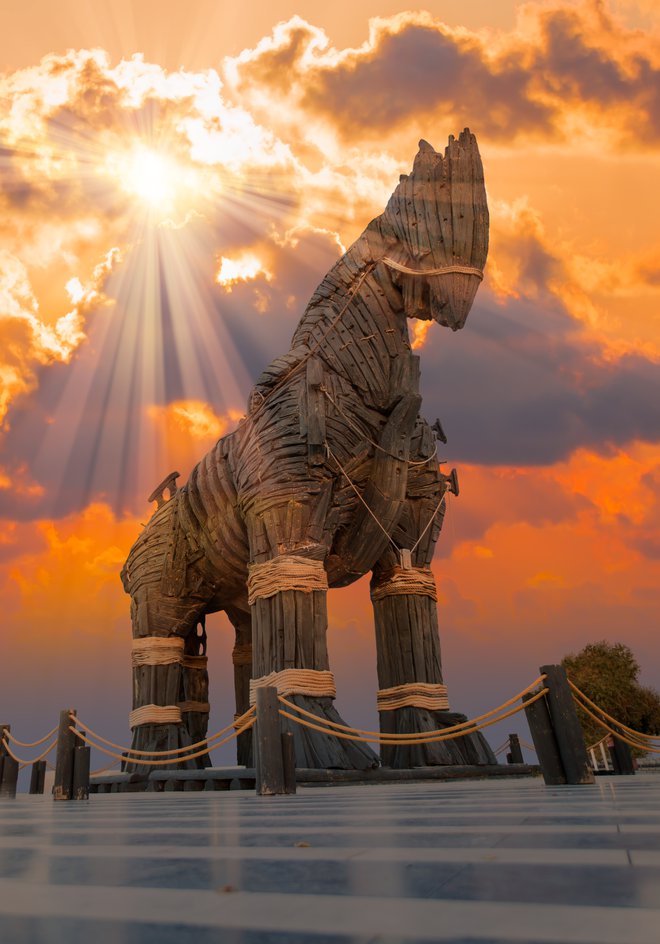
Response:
column 639, row 745
column 414, row 739
column 27, row 763
column 103, row 770
column 530, row 747
column 380, row 736
column 168, row 760
column 14, row 740
column 638, row 734
column 176, row 750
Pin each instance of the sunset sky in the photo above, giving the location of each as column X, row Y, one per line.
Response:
column 176, row 180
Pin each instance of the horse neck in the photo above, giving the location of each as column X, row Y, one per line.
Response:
column 356, row 324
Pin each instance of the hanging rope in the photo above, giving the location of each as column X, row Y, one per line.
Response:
column 620, row 724
column 27, row 763
column 385, row 737
column 14, row 740
column 639, row 745
column 418, row 739
column 177, row 750
column 142, row 761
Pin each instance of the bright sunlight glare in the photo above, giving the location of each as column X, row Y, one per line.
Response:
column 153, row 177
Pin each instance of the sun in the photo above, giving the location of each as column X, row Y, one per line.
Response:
column 152, row 177
column 157, row 180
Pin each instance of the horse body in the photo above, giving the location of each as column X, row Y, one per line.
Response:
column 332, row 468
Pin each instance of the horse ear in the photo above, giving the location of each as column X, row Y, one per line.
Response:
column 427, row 156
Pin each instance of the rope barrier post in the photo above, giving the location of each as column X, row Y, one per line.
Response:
column 289, row 762
column 8, row 767
column 66, row 745
column 545, row 743
column 38, row 776
column 269, row 766
column 80, row 780
column 515, row 753
column 622, row 759
column 4, row 730
column 566, row 726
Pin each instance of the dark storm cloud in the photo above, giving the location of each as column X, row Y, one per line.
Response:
column 519, row 386
column 565, row 59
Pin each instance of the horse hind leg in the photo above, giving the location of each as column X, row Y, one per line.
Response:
column 194, row 702
column 241, row 620
column 169, row 597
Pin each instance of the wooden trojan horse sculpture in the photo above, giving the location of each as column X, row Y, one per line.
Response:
column 331, row 474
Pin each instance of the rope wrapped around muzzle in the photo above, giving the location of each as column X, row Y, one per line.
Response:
column 287, row 572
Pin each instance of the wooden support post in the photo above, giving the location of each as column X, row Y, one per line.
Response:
column 515, row 752
column 9, row 777
column 80, row 785
column 545, row 743
column 3, row 753
column 66, row 744
column 270, row 769
column 622, row 759
column 566, row 726
column 38, row 776
column 289, row 761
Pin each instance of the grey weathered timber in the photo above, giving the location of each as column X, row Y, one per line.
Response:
column 545, row 743
column 4, row 728
column 270, row 767
column 334, row 464
column 66, row 745
column 622, row 759
column 38, row 777
column 289, row 762
column 80, row 779
column 515, row 752
column 9, row 777
column 566, row 726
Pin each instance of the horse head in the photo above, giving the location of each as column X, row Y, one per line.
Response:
column 433, row 234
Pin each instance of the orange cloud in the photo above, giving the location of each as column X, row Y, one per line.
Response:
column 188, row 429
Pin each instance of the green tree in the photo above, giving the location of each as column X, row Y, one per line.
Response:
column 608, row 674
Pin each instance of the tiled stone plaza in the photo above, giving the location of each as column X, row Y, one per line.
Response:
column 496, row 861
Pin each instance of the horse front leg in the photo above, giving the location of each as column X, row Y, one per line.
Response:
column 288, row 597
column 412, row 697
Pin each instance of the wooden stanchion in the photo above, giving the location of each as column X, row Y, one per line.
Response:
column 9, row 777
column 514, row 755
column 66, row 744
column 566, row 726
column 622, row 759
column 38, row 776
column 545, row 743
column 4, row 728
column 289, row 762
column 80, row 786
column 270, row 769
